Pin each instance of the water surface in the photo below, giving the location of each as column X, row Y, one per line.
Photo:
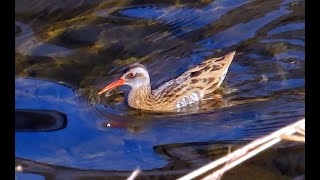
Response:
column 65, row 52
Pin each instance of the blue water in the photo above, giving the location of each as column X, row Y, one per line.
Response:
column 63, row 58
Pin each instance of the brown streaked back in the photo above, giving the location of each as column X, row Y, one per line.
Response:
column 204, row 78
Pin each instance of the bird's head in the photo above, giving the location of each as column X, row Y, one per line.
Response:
column 135, row 76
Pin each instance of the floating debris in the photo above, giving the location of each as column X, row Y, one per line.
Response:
column 264, row 78
column 19, row 168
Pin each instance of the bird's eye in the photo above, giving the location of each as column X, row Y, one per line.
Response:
column 131, row 75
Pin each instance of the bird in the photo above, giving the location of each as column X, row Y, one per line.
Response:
column 184, row 90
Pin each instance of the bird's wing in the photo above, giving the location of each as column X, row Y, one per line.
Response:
column 203, row 79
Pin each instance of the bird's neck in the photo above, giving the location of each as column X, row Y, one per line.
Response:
column 139, row 96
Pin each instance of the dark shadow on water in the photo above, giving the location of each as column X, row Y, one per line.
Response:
column 27, row 120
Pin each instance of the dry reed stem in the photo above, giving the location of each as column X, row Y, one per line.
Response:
column 134, row 174
column 301, row 130
column 293, row 138
column 245, row 152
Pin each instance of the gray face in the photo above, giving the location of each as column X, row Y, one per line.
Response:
column 136, row 77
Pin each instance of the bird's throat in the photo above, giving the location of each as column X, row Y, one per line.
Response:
column 139, row 97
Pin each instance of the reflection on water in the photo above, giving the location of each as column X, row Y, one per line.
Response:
column 67, row 51
column 39, row 120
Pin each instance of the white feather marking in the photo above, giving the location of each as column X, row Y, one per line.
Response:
column 187, row 100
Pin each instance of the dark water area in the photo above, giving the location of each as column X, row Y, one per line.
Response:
column 66, row 51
